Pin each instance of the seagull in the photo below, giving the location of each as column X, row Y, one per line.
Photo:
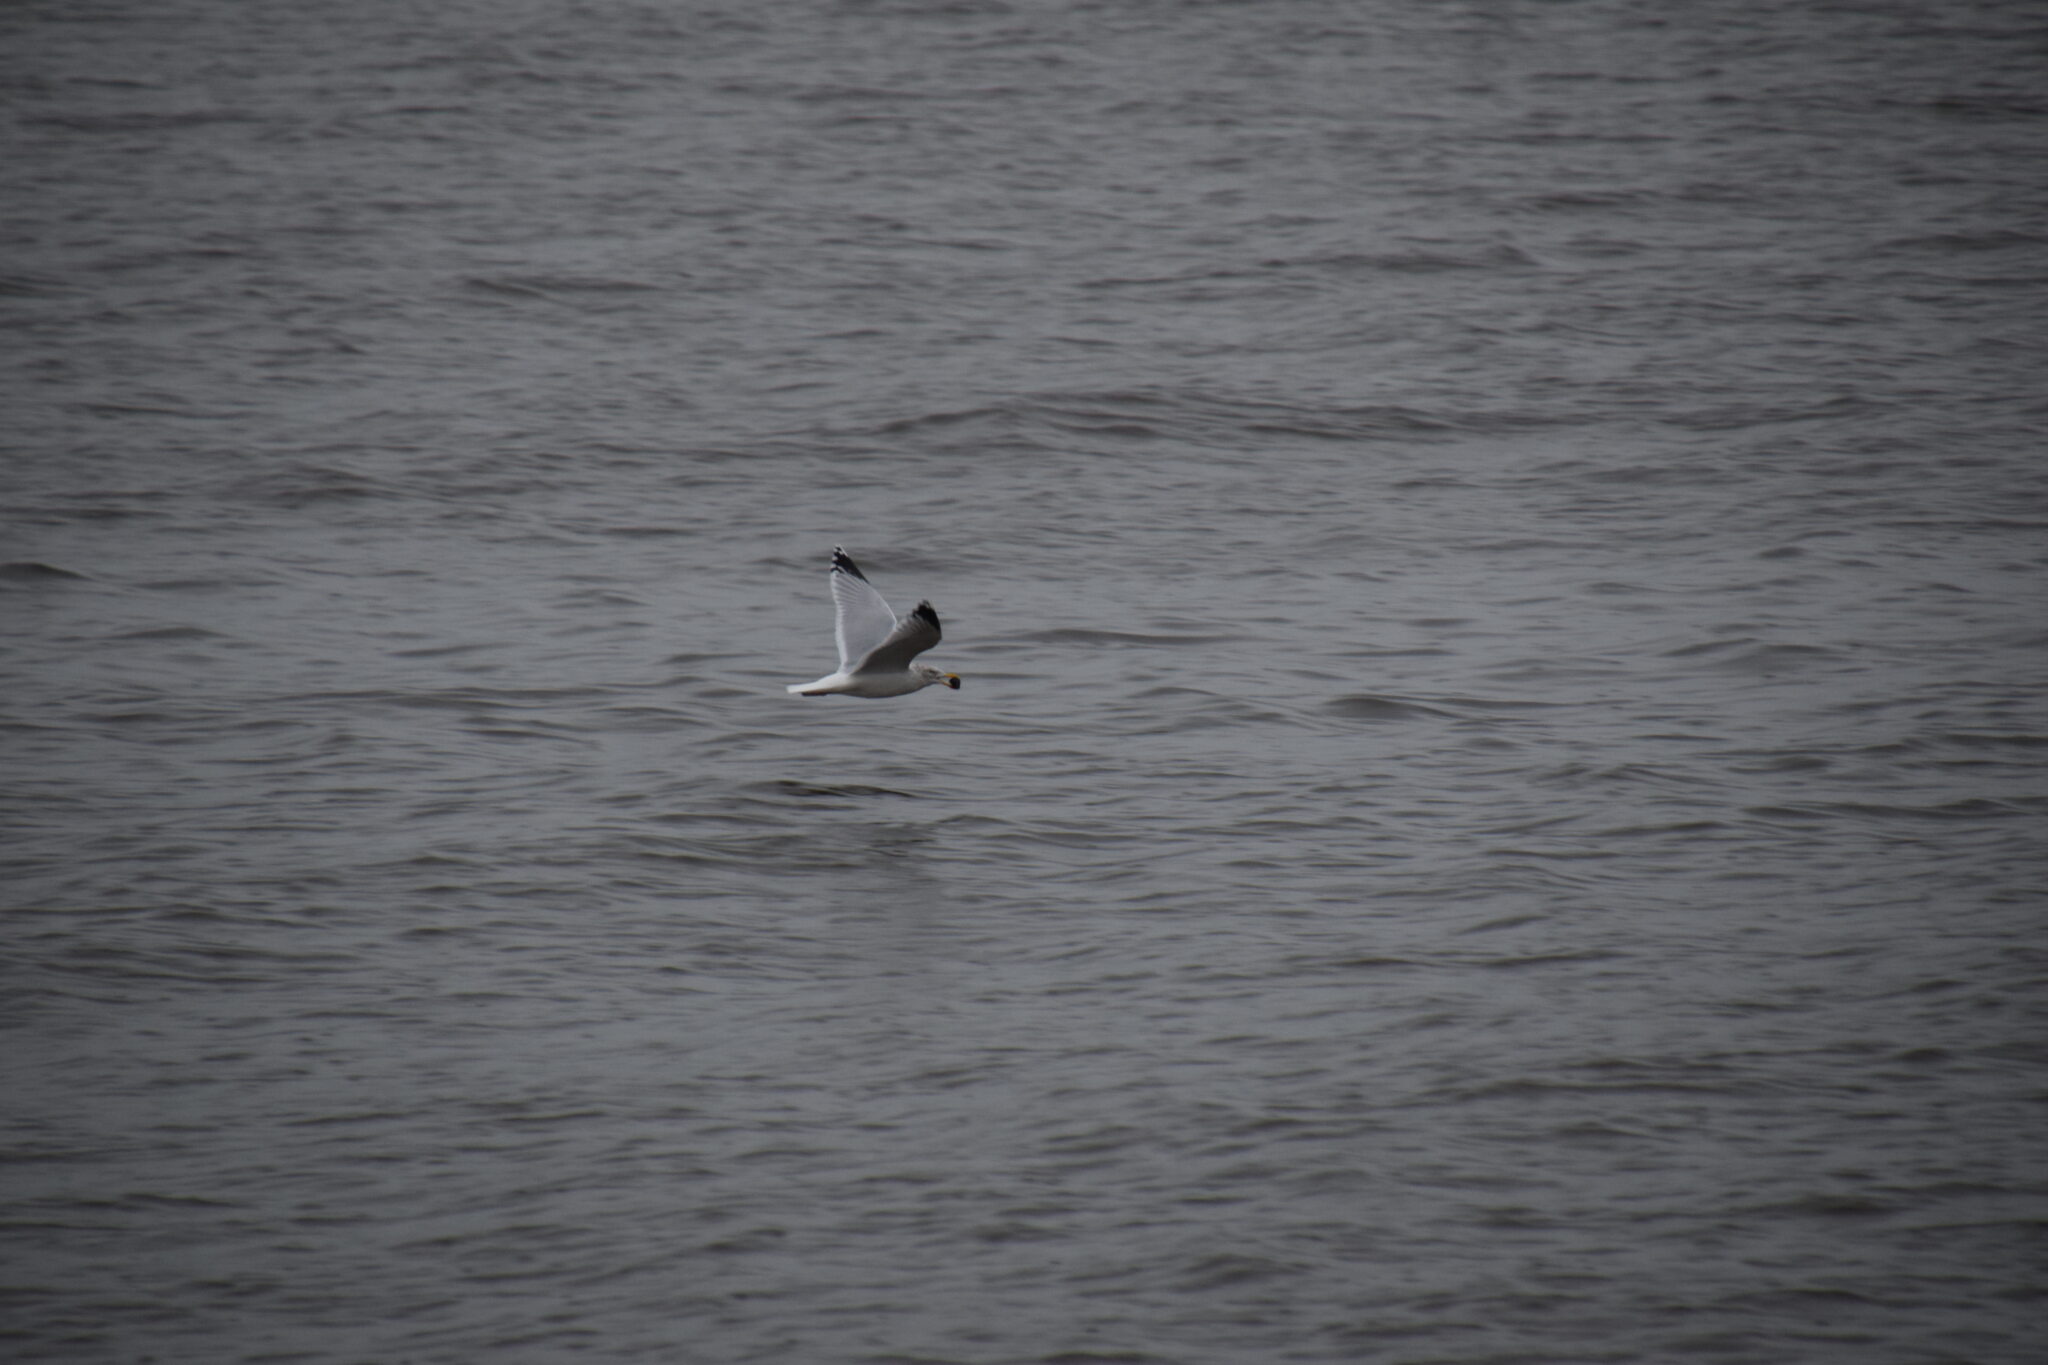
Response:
column 875, row 649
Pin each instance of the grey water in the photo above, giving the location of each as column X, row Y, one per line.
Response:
column 1496, row 811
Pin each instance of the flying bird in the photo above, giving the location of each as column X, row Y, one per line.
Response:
column 875, row 648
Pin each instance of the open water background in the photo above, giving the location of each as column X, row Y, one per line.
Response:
column 1496, row 811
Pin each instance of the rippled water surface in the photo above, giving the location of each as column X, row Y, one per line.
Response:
column 1495, row 815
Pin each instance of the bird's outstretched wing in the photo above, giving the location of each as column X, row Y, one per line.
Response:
column 864, row 622
column 913, row 635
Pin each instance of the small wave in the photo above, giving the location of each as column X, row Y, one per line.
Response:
column 35, row 571
column 848, row 790
column 141, row 121
column 1196, row 415
column 171, row 633
column 556, row 288
column 1762, row 659
column 1082, row 635
column 1365, row 706
column 1969, row 808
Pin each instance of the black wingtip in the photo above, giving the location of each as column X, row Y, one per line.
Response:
column 923, row 612
column 844, row 563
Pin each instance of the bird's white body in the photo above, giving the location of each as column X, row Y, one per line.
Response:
column 875, row 648
column 885, row 685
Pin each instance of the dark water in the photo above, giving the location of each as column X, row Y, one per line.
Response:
column 1496, row 811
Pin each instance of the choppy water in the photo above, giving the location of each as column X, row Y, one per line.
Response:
column 1496, row 810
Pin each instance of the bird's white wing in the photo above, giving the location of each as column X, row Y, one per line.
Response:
column 913, row 635
column 864, row 619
